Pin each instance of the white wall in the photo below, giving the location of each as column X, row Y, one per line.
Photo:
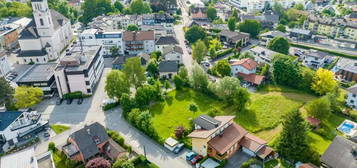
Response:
column 351, row 100
column 30, row 44
column 4, row 66
column 173, row 56
column 237, row 68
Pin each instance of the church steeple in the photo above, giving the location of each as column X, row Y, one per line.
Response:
column 42, row 17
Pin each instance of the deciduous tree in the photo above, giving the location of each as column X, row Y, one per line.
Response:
column 194, row 34
column 199, row 51
column 198, row 78
column 116, row 84
column 252, row 27
column 132, row 27
column 319, row 108
column 6, row 91
column 223, row 68
column 134, row 71
column 323, row 82
column 26, row 97
column 241, row 98
column 232, row 23
column 281, row 28
column 280, row 45
column 139, row 7
column 211, row 13
column 98, row 162
column 286, row 72
column 225, row 88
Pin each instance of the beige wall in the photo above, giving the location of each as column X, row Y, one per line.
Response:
column 77, row 83
column 199, row 146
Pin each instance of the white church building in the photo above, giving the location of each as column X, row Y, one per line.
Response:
column 45, row 36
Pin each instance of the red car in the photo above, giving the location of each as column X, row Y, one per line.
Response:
column 196, row 159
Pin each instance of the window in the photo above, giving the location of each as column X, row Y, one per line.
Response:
column 25, row 60
column 354, row 95
column 87, row 83
column 41, row 22
column 44, row 59
column 37, row 60
column 88, row 90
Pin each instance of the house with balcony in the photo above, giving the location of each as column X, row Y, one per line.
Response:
column 148, row 19
column 92, row 141
column 346, row 70
column 246, row 69
column 262, row 55
column 173, row 53
column 136, row 42
column 165, row 41
column 315, row 59
column 220, row 137
column 300, row 34
column 231, row 38
column 19, row 127
column 199, row 13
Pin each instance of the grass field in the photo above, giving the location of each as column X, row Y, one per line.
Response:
column 59, row 128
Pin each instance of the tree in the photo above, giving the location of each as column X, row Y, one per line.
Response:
column 193, row 107
column 127, row 103
column 132, row 27
column 167, row 84
column 148, row 93
column 183, row 74
column 286, row 72
column 241, row 97
column 139, row 7
column 232, row 23
column 98, row 162
column 223, row 68
column 299, row 6
column 127, row 164
column 280, row 45
column 115, row 51
column 194, row 34
column 179, row 132
column 281, row 28
column 225, row 88
column 246, row 55
column 211, row 13
column 134, row 71
column 212, row 53
column 14, row 9
column 319, row 108
column 292, row 144
column 153, row 68
column 116, row 84
column 179, row 83
column 323, row 82
column 279, row 9
column 216, row 44
column 235, row 14
column 307, row 76
column 26, row 97
column 64, row 8
column 199, row 51
column 101, row 7
column 6, row 91
column 119, row 6
column 198, row 78
column 52, row 147
column 252, row 27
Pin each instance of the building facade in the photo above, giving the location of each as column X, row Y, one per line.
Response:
column 136, row 42
column 5, row 66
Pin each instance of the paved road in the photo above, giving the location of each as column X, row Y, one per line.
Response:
column 90, row 111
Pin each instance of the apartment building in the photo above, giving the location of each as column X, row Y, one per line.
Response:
column 80, row 70
column 262, row 55
column 106, row 39
column 346, row 69
column 136, row 42
column 258, row 5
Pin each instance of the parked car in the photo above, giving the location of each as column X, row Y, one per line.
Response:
column 80, row 101
column 46, row 134
column 69, row 101
column 59, row 101
column 190, row 156
column 196, row 159
column 178, row 148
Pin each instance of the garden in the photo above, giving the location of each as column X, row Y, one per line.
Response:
column 59, row 128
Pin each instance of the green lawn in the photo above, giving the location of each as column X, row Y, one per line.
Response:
column 59, row 128
column 60, row 161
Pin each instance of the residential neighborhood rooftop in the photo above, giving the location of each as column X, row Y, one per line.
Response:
column 38, row 72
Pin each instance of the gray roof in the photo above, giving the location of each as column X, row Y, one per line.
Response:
column 206, row 122
column 273, row 34
column 166, row 40
column 346, row 64
column 32, row 53
column 168, row 66
column 301, row 31
column 85, row 139
column 342, row 153
column 168, row 49
column 8, row 117
column 352, row 89
column 29, row 32
column 316, row 54
column 38, row 73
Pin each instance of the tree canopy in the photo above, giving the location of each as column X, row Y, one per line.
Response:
column 26, row 97
column 198, row 78
column 132, row 27
column 162, row 5
column 319, row 108
column 225, row 88
column 199, row 51
column 252, row 27
column 231, row 23
column 280, row 45
column 6, row 91
column 211, row 13
column 14, row 9
column 223, row 68
column 194, row 34
column 116, row 84
column 139, row 7
column 286, row 72
column 323, row 82
column 101, row 7
column 134, row 71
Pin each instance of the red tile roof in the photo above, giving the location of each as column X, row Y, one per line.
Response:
column 138, row 35
column 264, row 152
column 252, row 142
column 252, row 78
column 231, row 135
column 313, row 121
column 247, row 63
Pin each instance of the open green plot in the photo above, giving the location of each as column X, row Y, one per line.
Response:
column 59, row 128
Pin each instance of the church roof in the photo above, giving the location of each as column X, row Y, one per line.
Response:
column 30, row 31
column 32, row 53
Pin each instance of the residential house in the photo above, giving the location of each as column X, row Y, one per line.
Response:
column 262, row 55
column 159, row 29
column 8, row 38
column 106, row 39
column 300, row 34
column 148, row 19
column 267, row 19
column 266, row 37
column 118, row 62
column 246, row 69
column 352, row 96
column 18, row 127
column 352, row 17
column 231, row 38
column 123, row 21
column 91, row 141
column 165, row 41
column 167, row 69
column 199, row 13
column 27, row 158
column 136, row 42
column 315, row 59
column 346, row 69
column 342, row 153
column 172, row 53
column 41, row 76
column 220, row 137
column 163, row 18
column 258, row 5
column 79, row 70
column 5, row 66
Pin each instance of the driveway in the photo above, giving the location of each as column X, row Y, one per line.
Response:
column 237, row 160
column 90, row 111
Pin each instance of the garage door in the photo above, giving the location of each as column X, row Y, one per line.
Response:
column 247, row 151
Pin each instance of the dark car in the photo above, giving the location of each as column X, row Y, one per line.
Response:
column 190, row 156
column 59, row 101
column 46, row 134
column 178, row 148
column 196, row 159
column 69, row 101
column 80, row 101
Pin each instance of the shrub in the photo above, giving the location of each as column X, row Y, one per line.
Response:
column 224, row 52
column 98, row 162
column 110, row 106
column 73, row 95
column 52, row 147
column 179, row 132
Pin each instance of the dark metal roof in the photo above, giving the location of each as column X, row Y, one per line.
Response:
column 32, row 53
column 29, row 32
column 86, row 139
column 6, row 118
column 342, row 153
column 167, row 40
column 207, row 122
column 168, row 66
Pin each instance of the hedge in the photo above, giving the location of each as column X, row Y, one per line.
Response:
column 110, row 106
column 224, row 52
column 118, row 139
column 324, row 50
column 73, row 95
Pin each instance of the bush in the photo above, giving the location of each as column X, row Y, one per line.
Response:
column 224, row 52
column 118, row 139
column 110, row 106
column 73, row 95
column 250, row 162
column 52, row 147
column 222, row 163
